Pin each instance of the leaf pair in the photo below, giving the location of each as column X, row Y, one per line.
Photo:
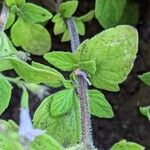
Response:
column 66, row 10
column 27, row 31
column 115, row 12
column 107, row 58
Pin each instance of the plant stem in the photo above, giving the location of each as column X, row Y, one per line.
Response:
column 82, row 89
column 3, row 17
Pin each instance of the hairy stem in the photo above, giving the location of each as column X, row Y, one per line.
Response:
column 82, row 89
column 4, row 14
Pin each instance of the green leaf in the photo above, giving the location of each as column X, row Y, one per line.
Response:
column 80, row 27
column 109, row 12
column 5, row 94
column 46, row 68
column 15, row 2
column 33, row 38
column 45, row 142
column 65, row 128
column 35, row 13
column 7, row 143
column 62, row 60
column 66, row 36
column 10, row 20
column 99, row 106
column 67, row 9
column 87, row 17
column 35, row 75
column 62, row 102
column 131, row 13
column 6, row 50
column 145, row 78
column 145, row 111
column 125, row 145
column 114, row 51
column 60, row 27
column 88, row 66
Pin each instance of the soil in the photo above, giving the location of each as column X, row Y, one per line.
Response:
column 128, row 123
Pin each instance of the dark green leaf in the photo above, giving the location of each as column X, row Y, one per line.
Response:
column 131, row 13
column 109, row 12
column 145, row 78
column 145, row 111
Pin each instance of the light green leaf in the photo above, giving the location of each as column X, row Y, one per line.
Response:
column 46, row 68
column 62, row 102
column 80, row 27
column 131, row 13
column 60, row 27
column 99, row 106
column 5, row 94
column 57, row 18
column 33, row 38
column 109, row 12
column 125, row 145
column 35, row 13
column 87, row 17
column 114, row 51
column 25, row 98
column 7, row 143
column 67, row 9
column 6, row 50
column 6, row 47
column 35, row 75
column 88, row 66
column 10, row 20
column 62, row 60
column 45, row 142
column 65, row 128
column 66, row 36
column 145, row 78
column 15, row 2
column 145, row 111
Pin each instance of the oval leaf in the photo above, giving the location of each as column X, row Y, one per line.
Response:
column 125, row 145
column 62, row 60
column 62, row 102
column 45, row 142
column 114, row 51
column 5, row 94
column 65, row 128
column 33, row 38
column 36, row 13
column 67, row 9
column 99, row 106
column 109, row 12
column 35, row 75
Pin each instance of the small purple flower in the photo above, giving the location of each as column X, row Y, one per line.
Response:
column 26, row 129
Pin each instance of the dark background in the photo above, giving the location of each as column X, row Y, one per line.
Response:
column 128, row 123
